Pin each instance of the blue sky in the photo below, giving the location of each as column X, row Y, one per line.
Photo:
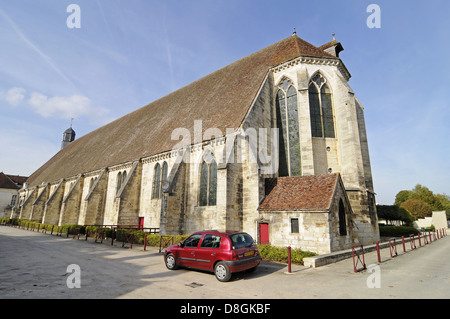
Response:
column 129, row 53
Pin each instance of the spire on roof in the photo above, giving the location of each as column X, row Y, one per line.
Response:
column 334, row 36
column 295, row 32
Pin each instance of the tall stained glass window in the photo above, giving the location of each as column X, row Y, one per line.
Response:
column 289, row 134
column 208, row 182
column 321, row 108
column 159, row 178
column 157, row 181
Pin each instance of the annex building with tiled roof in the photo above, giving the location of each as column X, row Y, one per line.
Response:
column 273, row 144
column 9, row 192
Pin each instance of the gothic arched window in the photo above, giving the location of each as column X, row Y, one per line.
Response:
column 157, row 181
column 321, row 108
column 121, row 176
column 208, row 182
column 165, row 169
column 159, row 178
column 289, row 135
column 342, row 221
column 119, row 181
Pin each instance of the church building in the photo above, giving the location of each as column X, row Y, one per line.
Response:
column 273, row 144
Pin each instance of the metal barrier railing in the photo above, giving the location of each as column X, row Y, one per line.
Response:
column 357, row 254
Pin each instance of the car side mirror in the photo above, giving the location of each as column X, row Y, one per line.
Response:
column 181, row 244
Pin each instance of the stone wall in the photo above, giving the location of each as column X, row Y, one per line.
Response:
column 313, row 235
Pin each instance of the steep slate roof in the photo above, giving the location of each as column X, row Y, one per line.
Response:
column 300, row 193
column 221, row 100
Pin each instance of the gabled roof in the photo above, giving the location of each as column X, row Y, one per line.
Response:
column 300, row 193
column 6, row 182
column 19, row 180
column 221, row 100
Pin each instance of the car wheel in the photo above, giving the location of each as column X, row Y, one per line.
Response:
column 171, row 262
column 222, row 271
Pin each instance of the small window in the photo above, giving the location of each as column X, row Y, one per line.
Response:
column 193, row 240
column 294, row 225
column 211, row 241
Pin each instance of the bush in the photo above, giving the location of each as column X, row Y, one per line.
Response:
column 280, row 254
column 394, row 213
column 397, row 231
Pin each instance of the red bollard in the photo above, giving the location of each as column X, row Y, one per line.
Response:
column 289, row 259
column 145, row 241
column 420, row 243
column 429, row 235
column 378, row 252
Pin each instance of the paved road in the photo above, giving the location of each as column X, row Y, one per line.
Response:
column 34, row 265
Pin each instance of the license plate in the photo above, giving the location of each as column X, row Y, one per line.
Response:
column 249, row 253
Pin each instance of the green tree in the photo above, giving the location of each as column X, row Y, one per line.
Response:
column 424, row 194
column 402, row 197
column 417, row 208
column 445, row 201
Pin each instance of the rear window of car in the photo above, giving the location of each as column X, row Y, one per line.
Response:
column 241, row 240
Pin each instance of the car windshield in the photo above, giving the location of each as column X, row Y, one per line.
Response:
column 241, row 240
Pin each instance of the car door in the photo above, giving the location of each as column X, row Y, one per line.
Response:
column 188, row 250
column 208, row 252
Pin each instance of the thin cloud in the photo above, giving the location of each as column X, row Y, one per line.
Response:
column 33, row 46
column 15, row 96
column 64, row 107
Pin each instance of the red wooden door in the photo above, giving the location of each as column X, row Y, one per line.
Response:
column 264, row 233
column 141, row 223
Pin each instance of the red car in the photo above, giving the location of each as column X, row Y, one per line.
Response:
column 223, row 253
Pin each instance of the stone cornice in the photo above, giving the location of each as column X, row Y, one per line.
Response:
column 318, row 61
